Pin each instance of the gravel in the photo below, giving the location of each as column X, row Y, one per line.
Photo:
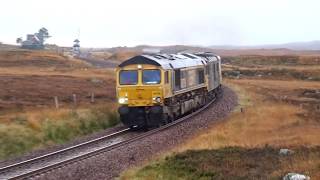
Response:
column 110, row 164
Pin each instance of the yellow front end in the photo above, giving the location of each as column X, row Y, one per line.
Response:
column 140, row 85
column 140, row 95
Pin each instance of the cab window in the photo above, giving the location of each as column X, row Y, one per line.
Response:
column 151, row 76
column 128, row 77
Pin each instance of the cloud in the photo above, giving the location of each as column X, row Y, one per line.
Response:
column 127, row 22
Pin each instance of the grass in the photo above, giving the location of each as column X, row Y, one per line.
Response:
column 257, row 126
column 33, row 131
column 309, row 73
column 262, row 121
column 31, row 79
column 245, row 145
column 234, row 163
column 25, row 74
column 36, row 58
column 283, row 67
column 287, row 60
column 75, row 72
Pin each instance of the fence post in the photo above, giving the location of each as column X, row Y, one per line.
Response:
column 74, row 97
column 301, row 106
column 92, row 98
column 56, row 102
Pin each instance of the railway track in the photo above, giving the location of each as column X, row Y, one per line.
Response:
column 40, row 165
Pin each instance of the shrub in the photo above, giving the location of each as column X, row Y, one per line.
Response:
column 19, row 137
column 16, row 139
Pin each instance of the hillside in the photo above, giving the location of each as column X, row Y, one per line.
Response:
column 30, row 79
column 28, row 58
column 298, row 46
column 221, row 50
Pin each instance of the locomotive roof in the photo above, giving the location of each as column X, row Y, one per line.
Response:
column 172, row 61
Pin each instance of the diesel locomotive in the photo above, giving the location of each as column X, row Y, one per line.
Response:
column 155, row 89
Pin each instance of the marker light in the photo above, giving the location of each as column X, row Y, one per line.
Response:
column 123, row 100
column 157, row 99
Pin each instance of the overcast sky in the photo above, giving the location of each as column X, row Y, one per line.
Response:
column 107, row 23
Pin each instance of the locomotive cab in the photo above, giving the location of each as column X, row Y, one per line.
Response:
column 140, row 94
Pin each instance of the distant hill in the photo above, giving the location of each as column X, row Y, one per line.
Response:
column 300, row 46
column 5, row 47
column 127, row 52
column 296, row 48
column 37, row 59
column 163, row 49
column 312, row 45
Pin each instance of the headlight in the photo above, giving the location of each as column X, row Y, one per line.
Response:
column 123, row 100
column 156, row 99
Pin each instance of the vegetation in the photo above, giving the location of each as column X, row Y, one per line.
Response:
column 26, row 132
column 230, row 163
column 278, row 108
column 274, row 67
column 272, row 114
column 256, row 60
column 30, row 79
column 258, row 121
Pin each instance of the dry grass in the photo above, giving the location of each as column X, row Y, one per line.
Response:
column 28, row 118
column 39, row 129
column 30, row 79
column 267, row 60
column 37, row 91
column 232, row 163
column 276, row 125
column 273, row 67
column 265, row 52
column 34, row 117
column 309, row 73
column 308, row 163
column 37, row 58
column 275, row 84
column 77, row 72
column 278, row 108
column 270, row 67
column 261, row 122
column 101, row 55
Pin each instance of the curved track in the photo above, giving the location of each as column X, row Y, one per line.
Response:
column 46, row 163
column 53, row 159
